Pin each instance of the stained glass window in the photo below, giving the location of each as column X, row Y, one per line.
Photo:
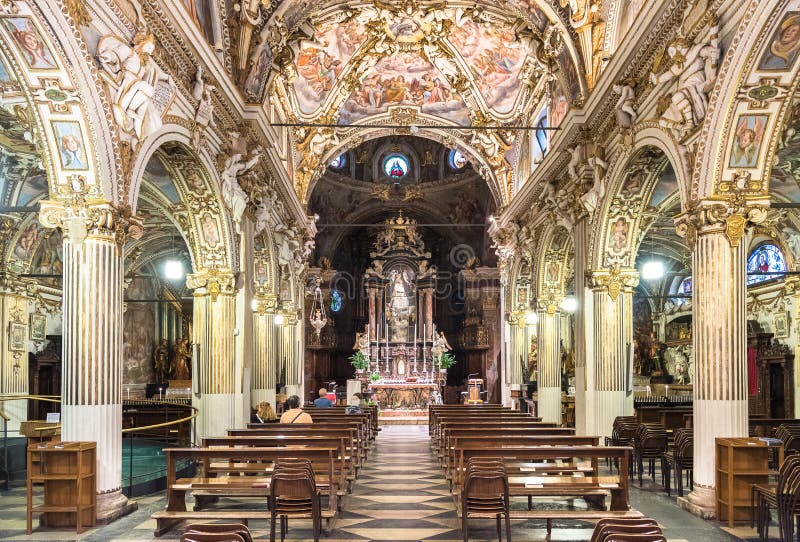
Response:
column 339, row 162
column 395, row 165
column 685, row 287
column 763, row 261
column 541, row 133
column 336, row 300
column 457, row 160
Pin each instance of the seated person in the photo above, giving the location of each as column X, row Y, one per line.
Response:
column 322, row 401
column 295, row 413
column 264, row 414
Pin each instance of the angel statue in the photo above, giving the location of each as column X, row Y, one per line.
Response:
column 133, row 76
column 233, row 195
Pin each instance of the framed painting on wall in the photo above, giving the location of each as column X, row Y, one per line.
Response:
column 780, row 325
column 17, row 337
column 38, row 326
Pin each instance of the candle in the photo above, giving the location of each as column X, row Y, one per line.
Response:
column 129, row 393
column 160, row 395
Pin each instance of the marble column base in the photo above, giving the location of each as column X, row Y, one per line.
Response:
column 702, row 501
column 549, row 408
column 113, row 505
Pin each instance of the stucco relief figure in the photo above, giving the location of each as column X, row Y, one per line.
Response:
column 286, row 239
column 182, row 360
column 133, row 77
column 232, row 194
column 694, row 67
column 626, row 112
column 264, row 208
column 204, row 113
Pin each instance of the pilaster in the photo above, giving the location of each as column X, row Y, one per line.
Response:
column 15, row 296
column 264, row 351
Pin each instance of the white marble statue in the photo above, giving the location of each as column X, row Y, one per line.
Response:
column 133, row 76
column 626, row 112
column 232, row 194
column 694, row 67
column 204, row 113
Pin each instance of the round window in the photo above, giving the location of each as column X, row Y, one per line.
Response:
column 395, row 166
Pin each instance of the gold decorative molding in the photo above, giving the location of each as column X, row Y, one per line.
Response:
column 80, row 217
column 212, row 282
column 614, row 280
column 731, row 217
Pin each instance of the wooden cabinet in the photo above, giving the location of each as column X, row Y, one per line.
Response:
column 67, row 470
column 740, row 463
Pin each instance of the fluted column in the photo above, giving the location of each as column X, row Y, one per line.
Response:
column 719, row 336
column 91, row 382
column 15, row 295
column 214, row 360
column 549, row 377
column 264, row 357
column 609, row 334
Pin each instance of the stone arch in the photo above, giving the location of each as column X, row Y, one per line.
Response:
column 745, row 94
column 355, row 136
column 200, row 212
column 62, row 93
column 634, row 177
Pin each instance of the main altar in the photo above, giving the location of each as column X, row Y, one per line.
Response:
column 400, row 339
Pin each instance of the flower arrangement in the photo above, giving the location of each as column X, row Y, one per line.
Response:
column 445, row 360
column 374, row 377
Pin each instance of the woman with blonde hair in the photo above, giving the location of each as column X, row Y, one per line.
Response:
column 265, row 413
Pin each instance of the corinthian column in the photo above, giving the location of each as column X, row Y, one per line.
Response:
column 264, row 352
column 719, row 336
column 549, row 378
column 91, row 394
column 609, row 334
column 214, row 361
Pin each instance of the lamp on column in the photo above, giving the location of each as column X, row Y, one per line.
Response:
column 652, row 269
column 531, row 318
column 173, row 267
column 317, row 317
column 569, row 304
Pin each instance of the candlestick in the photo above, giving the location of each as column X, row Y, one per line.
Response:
column 415, row 347
column 160, row 395
column 129, row 393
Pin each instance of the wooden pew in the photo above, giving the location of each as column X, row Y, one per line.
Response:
column 370, row 412
column 502, row 423
column 434, row 409
column 239, row 486
column 524, row 484
column 343, row 463
column 356, row 449
column 442, row 419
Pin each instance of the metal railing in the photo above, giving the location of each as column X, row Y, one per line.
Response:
column 158, row 433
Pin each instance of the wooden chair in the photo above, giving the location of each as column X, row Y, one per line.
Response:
column 679, row 459
column 623, row 530
column 221, row 528
column 650, row 443
column 294, row 493
column 622, row 434
column 211, row 537
column 622, row 537
column 787, row 498
column 485, row 494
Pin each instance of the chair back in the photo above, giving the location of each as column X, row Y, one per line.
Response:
column 213, row 528
column 788, row 496
column 211, row 537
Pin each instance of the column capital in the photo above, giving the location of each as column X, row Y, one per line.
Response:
column 265, row 303
column 212, row 282
column 613, row 281
column 730, row 216
column 11, row 283
column 80, row 218
column 549, row 302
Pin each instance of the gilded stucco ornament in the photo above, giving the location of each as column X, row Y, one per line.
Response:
column 212, row 282
column 614, row 280
column 731, row 217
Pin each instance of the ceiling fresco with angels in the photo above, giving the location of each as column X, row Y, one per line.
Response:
column 458, row 64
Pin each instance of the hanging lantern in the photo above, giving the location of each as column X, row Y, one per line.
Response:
column 317, row 317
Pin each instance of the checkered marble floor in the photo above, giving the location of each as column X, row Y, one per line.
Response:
column 400, row 495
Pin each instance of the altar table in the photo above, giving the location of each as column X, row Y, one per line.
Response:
column 390, row 395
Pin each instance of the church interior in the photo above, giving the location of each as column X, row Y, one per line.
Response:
column 399, row 270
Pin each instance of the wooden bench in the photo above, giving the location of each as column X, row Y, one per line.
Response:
column 446, row 425
column 370, row 412
column 323, row 459
column 343, row 463
column 358, row 443
column 326, row 415
column 492, row 431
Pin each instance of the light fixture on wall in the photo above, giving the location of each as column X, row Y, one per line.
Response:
column 280, row 319
column 531, row 318
column 569, row 304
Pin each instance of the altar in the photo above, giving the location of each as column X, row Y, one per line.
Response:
column 403, row 395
